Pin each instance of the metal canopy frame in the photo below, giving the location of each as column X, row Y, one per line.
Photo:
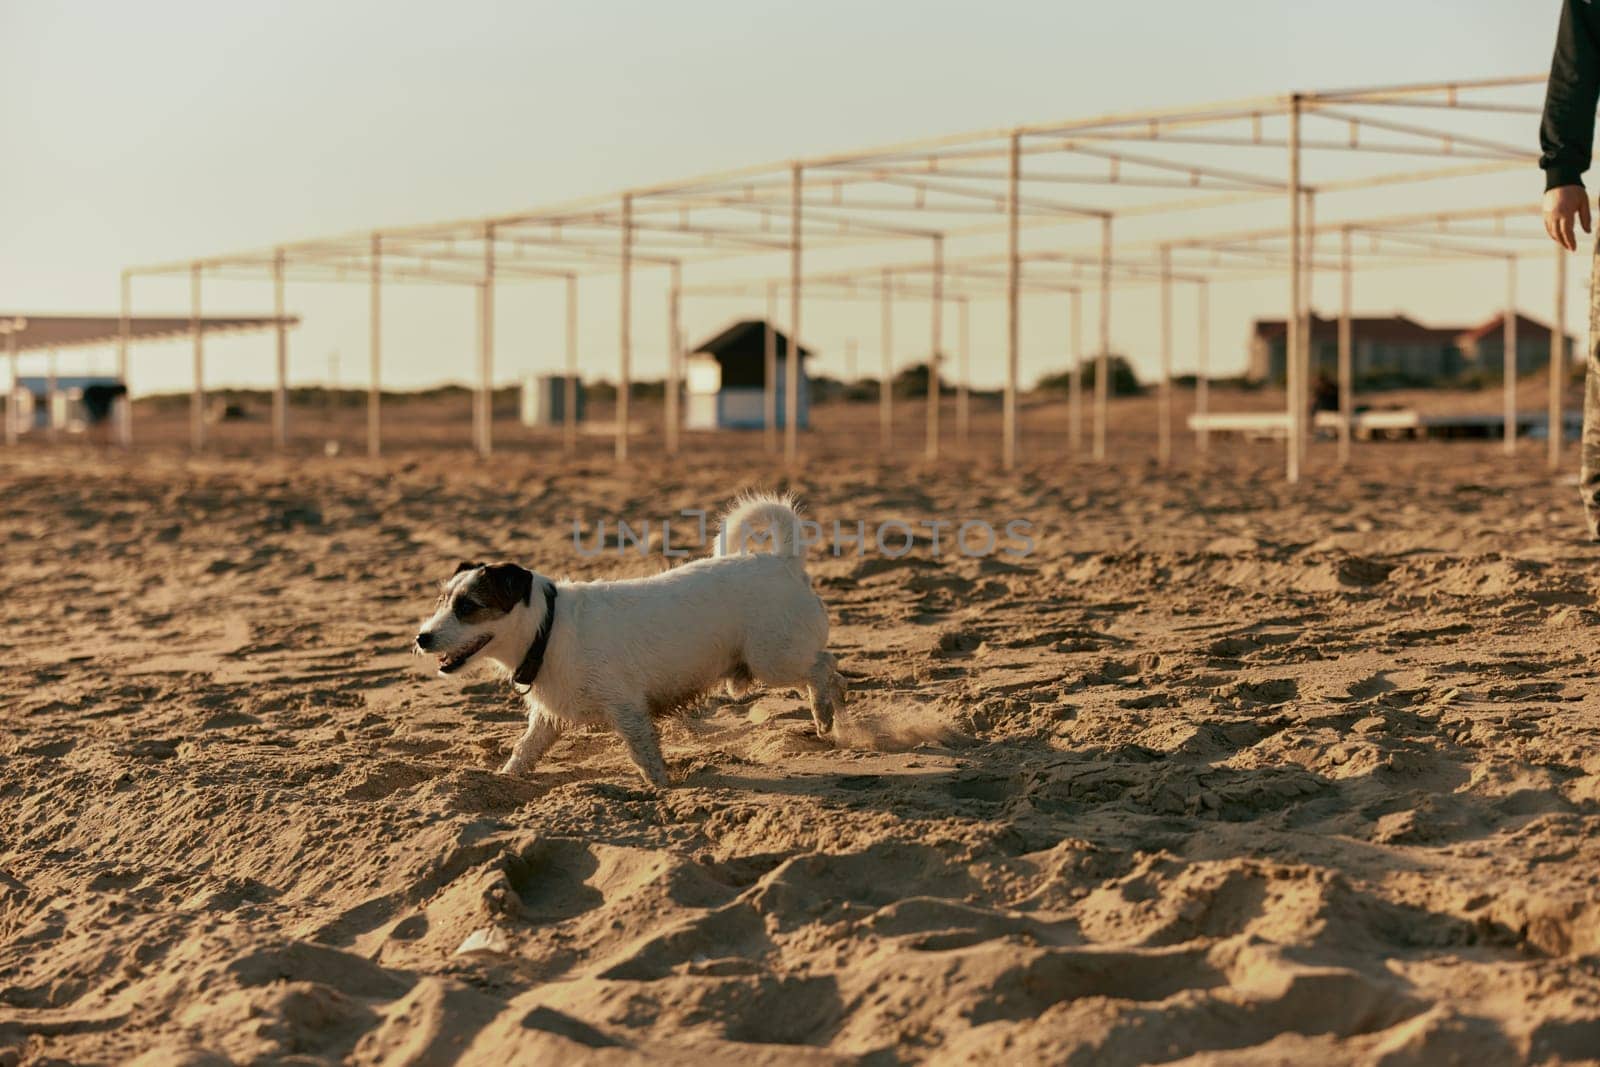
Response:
column 953, row 198
column 54, row 333
column 1381, row 243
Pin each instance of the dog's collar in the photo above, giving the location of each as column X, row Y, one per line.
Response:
column 528, row 669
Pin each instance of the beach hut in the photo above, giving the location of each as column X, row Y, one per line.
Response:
column 727, row 379
column 73, row 403
column 544, row 399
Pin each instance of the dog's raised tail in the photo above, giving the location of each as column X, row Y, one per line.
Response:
column 762, row 522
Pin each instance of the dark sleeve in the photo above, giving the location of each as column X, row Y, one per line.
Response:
column 1566, row 136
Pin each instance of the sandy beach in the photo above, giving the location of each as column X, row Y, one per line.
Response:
column 1222, row 771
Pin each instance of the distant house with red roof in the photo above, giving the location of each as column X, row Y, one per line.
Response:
column 1399, row 349
column 1483, row 348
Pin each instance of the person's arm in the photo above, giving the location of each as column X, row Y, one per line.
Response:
column 1566, row 134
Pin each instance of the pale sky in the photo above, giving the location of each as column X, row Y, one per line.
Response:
column 168, row 129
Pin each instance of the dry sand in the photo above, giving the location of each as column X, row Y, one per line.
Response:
column 1224, row 772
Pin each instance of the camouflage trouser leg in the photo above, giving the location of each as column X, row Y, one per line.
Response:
column 1589, row 472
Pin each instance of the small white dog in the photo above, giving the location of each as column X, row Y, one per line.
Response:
column 626, row 652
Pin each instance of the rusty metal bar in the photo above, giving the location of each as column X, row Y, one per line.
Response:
column 374, row 336
column 1164, row 397
column 964, row 386
column 1102, row 366
column 1075, row 375
column 1202, row 367
column 280, row 384
column 197, row 395
column 569, row 387
column 1509, row 390
column 1346, row 346
column 124, row 327
column 1447, row 139
column 1008, row 445
column 51, row 388
column 1312, row 369
column 1385, row 93
column 791, row 367
column 485, row 393
column 1292, row 321
column 935, row 346
column 886, row 383
column 485, row 398
column 674, row 360
column 769, row 378
column 13, row 415
column 625, row 328
column 1310, row 144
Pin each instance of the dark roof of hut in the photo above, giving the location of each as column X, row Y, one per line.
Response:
column 746, row 339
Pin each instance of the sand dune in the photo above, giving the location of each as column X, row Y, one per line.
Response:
column 1224, row 771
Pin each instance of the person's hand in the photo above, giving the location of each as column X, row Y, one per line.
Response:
column 1560, row 205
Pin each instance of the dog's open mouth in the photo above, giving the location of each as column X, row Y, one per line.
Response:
column 450, row 662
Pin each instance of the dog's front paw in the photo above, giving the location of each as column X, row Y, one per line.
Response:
column 513, row 767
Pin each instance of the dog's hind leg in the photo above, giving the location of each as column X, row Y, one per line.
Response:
column 827, row 690
column 638, row 731
column 543, row 729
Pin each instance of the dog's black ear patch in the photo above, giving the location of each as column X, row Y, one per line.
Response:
column 465, row 566
column 505, row 585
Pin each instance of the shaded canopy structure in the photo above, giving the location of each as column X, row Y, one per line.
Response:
column 29, row 332
column 51, row 333
column 1052, row 207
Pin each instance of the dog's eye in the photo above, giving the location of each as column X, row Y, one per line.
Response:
column 467, row 607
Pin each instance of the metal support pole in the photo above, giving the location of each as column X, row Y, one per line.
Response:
column 484, row 411
column 124, row 329
column 964, row 386
column 13, row 415
column 280, row 388
column 1346, row 345
column 1292, row 336
column 1164, row 397
column 674, row 360
column 1558, row 364
column 769, row 374
column 375, row 337
column 51, row 386
column 1202, row 367
column 1308, row 349
column 625, row 335
column 479, row 419
column 791, row 366
column 886, row 383
column 569, row 387
column 197, row 396
column 935, row 354
column 1510, row 361
column 1008, row 439
column 1102, row 364
column 1075, row 375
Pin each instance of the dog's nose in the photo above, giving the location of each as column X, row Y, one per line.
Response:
column 424, row 641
